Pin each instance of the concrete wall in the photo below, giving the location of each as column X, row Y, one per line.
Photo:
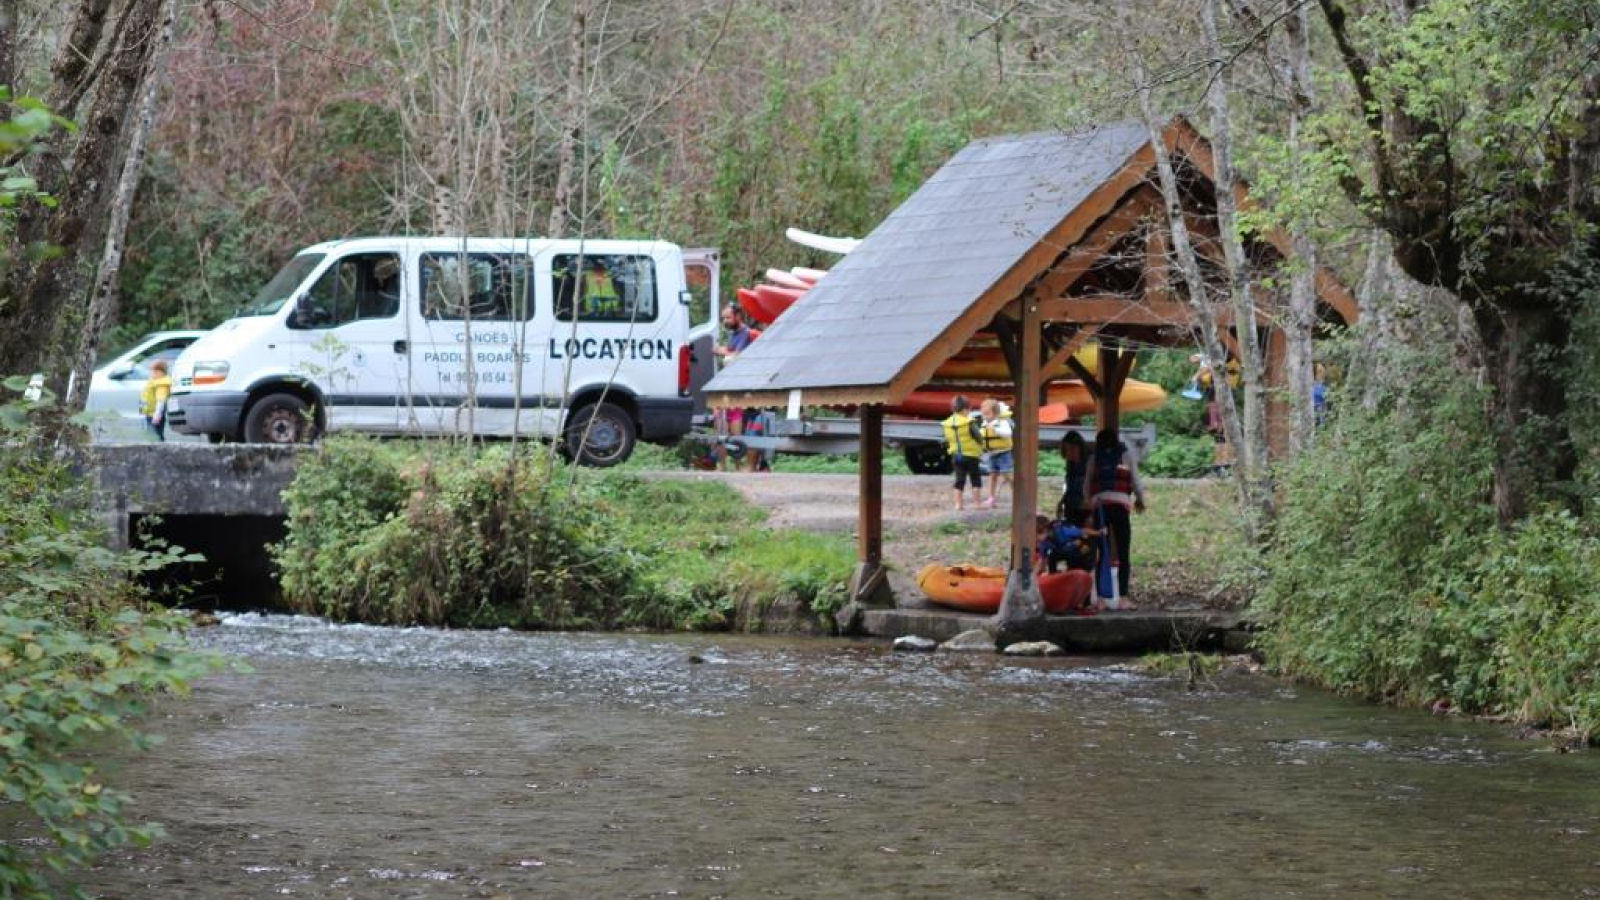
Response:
column 188, row 480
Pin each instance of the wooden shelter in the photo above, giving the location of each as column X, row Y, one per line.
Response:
column 1044, row 241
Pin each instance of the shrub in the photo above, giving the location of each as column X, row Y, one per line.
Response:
column 1388, row 577
column 394, row 534
column 377, row 535
column 1379, row 523
column 81, row 656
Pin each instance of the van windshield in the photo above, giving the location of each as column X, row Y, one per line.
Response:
column 270, row 299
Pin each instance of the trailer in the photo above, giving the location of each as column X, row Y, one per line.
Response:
column 922, row 441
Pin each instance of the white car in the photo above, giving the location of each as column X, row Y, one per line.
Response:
column 117, row 387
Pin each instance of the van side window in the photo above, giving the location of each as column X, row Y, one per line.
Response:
column 358, row 286
column 611, row 287
column 481, row 286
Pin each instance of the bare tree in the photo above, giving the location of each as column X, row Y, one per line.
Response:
column 1253, row 457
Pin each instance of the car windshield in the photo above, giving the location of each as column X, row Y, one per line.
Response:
column 270, row 299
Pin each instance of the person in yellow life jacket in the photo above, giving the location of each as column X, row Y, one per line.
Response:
column 600, row 296
column 996, row 437
column 153, row 400
column 963, row 438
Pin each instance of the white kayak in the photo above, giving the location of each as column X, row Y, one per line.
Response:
column 839, row 245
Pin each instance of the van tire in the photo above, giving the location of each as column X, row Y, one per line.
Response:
column 611, row 437
column 279, row 419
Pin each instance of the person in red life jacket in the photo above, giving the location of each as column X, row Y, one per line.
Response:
column 1114, row 492
column 1060, row 543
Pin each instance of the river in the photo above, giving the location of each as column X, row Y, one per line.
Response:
column 367, row 762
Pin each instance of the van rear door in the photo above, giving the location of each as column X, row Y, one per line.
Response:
column 702, row 269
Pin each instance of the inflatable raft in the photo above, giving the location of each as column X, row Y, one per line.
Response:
column 979, row 589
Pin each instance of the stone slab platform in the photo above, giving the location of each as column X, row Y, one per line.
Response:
column 1132, row 631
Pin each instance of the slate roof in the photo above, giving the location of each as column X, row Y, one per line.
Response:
column 928, row 264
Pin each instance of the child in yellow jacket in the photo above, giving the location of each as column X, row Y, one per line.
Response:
column 153, row 401
column 962, row 440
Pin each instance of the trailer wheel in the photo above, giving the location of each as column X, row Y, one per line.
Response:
column 609, row 439
column 279, row 419
column 928, row 459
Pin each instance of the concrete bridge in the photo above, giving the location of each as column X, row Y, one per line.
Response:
column 224, row 501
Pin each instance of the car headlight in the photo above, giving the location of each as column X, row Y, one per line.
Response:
column 212, row 372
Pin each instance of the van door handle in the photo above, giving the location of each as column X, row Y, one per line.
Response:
column 399, row 346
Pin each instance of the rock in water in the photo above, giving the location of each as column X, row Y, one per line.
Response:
column 912, row 643
column 1033, row 648
column 976, row 640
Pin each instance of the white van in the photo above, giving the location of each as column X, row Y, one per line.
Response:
column 599, row 342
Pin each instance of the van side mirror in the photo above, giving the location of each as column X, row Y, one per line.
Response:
column 685, row 297
column 120, row 371
column 304, row 315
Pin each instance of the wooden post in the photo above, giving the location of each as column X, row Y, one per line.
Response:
column 1021, row 609
column 1114, row 367
column 869, row 584
column 869, row 525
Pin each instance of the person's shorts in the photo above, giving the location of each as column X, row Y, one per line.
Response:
column 1001, row 462
column 967, row 468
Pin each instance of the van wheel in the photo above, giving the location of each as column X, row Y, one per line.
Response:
column 279, row 419
column 610, row 435
column 928, row 459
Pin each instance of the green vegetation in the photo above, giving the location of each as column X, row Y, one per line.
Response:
column 83, row 658
column 1390, row 578
column 425, row 534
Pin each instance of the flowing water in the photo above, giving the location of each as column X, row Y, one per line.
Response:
column 383, row 763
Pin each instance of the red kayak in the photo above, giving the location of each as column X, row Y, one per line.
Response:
column 778, row 299
column 754, row 306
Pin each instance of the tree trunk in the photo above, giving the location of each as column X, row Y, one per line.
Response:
column 1252, row 365
column 1302, row 320
column 1533, row 444
column 572, row 116
column 1188, row 266
column 103, row 301
column 30, row 319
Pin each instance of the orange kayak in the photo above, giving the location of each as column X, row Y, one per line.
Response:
column 1137, row 396
column 979, row 588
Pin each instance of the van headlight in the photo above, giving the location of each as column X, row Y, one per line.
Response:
column 213, row 372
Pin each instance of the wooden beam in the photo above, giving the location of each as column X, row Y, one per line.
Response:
column 1087, row 377
column 1115, row 364
column 1005, row 333
column 1067, row 350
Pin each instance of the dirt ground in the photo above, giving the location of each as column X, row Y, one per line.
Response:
column 1184, row 550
